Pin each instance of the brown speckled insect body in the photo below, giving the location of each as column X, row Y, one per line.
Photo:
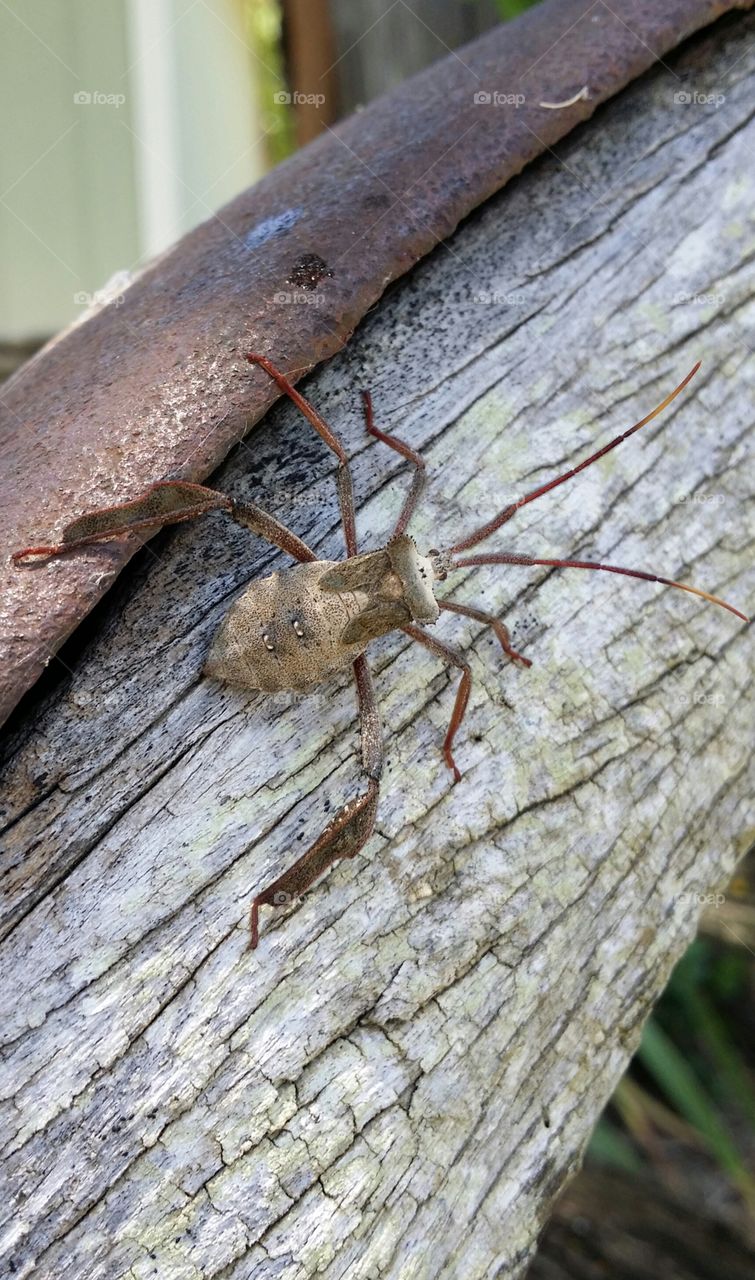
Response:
column 295, row 629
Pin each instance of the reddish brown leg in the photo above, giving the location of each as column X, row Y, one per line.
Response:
column 345, row 488
column 454, row 659
column 263, row 523
column 168, row 502
column 393, row 442
column 500, row 630
column 352, row 826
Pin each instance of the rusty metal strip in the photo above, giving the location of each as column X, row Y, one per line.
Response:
column 157, row 386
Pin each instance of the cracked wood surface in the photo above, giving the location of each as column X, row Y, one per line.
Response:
column 398, row 1081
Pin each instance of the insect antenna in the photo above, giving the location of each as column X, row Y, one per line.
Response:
column 506, row 557
column 485, row 530
column 447, row 560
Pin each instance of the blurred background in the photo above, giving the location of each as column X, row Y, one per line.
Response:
column 133, row 120
column 127, row 122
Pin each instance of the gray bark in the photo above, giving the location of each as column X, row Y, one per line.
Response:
column 398, row 1081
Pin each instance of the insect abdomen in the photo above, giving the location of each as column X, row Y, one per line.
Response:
column 286, row 632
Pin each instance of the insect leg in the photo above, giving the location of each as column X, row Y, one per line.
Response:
column 345, row 487
column 352, row 826
column 266, row 525
column 455, row 659
column 168, row 502
column 500, row 630
column 419, row 477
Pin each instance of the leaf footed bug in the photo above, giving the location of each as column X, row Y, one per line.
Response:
column 296, row 628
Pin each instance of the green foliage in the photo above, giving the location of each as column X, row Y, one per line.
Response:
column 706, row 980
column 512, row 8
column 690, row 1077
column 609, row 1145
column 676, row 1079
column 264, row 21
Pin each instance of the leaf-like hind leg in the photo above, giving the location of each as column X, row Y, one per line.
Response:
column 351, row 828
column 168, row 502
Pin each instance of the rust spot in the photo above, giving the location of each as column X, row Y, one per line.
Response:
column 308, row 271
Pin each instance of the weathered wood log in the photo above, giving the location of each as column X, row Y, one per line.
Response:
column 398, row 1081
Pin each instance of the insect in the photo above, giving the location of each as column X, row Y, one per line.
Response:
column 296, row 628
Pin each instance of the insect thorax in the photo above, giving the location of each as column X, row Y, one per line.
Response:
column 294, row 629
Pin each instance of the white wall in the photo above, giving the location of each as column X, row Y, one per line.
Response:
column 88, row 188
